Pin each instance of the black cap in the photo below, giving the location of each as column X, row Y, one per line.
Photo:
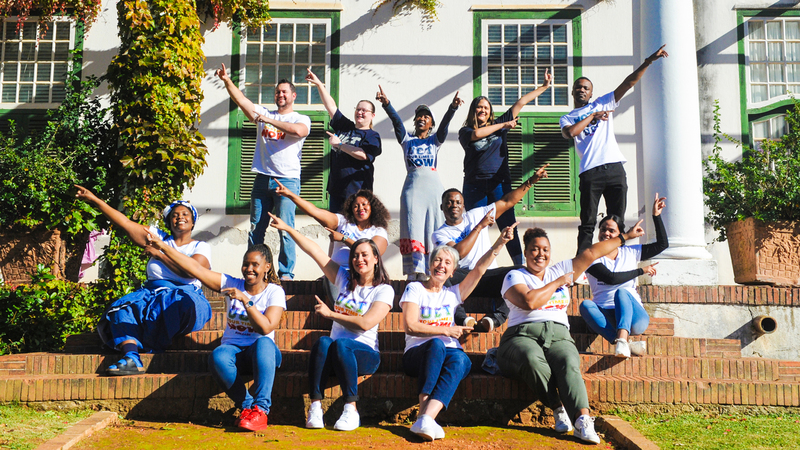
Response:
column 423, row 109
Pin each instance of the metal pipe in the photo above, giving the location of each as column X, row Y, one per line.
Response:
column 765, row 324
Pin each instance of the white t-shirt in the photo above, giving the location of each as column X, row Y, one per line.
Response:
column 341, row 252
column 435, row 308
column 627, row 259
column 357, row 303
column 596, row 144
column 456, row 233
column 156, row 270
column 239, row 331
column 278, row 154
column 555, row 310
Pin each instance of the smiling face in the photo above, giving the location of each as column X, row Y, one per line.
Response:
column 442, row 266
column 284, row 97
column 453, row 208
column 582, row 92
column 423, row 123
column 180, row 220
column 365, row 112
column 537, row 255
column 362, row 211
column 364, row 260
column 254, row 268
column 608, row 229
column 483, row 111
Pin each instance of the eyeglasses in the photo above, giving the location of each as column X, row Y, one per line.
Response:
column 364, row 110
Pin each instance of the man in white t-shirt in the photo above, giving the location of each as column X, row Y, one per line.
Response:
column 468, row 233
column 591, row 126
column 279, row 146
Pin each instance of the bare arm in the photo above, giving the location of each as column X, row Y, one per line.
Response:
column 325, row 218
column 294, row 129
column 527, row 98
column 351, row 150
column 380, row 241
column 263, row 323
column 466, row 244
column 413, row 327
column 329, row 268
column 135, row 231
column 631, row 80
column 247, row 107
column 512, row 198
column 469, row 282
column 188, row 265
column 531, row 299
column 577, row 128
column 161, row 257
column 482, row 132
column 372, row 317
column 327, row 100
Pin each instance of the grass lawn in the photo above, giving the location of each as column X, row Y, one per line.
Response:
column 678, row 431
column 22, row 428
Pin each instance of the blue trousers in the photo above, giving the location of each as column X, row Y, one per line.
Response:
column 483, row 192
column 439, row 369
column 228, row 362
column 628, row 314
column 263, row 200
column 346, row 358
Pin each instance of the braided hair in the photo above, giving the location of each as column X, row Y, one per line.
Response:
column 272, row 276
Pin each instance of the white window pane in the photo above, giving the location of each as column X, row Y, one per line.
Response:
column 758, row 93
column 760, row 130
column 792, row 29
column 775, row 51
column 794, row 88
column 494, row 32
column 776, row 90
column 758, row 51
column 793, row 51
column 777, row 127
column 793, row 73
column 776, row 73
column 756, row 29
column 758, row 73
column 774, row 30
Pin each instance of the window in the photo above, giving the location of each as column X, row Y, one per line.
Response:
column 515, row 50
column 773, row 128
column 283, row 50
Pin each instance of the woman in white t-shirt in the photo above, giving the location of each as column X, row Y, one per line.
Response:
column 365, row 298
column 255, row 304
column 616, row 310
column 433, row 353
column 169, row 304
column 537, row 347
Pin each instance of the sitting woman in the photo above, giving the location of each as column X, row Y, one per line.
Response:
column 363, row 217
column 616, row 310
column 171, row 302
column 365, row 298
column 433, row 352
column 255, row 304
column 537, row 347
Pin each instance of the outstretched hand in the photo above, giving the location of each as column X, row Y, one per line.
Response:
column 538, row 175
column 313, row 78
column 488, row 220
column 505, row 236
column 334, row 140
column 651, row 269
column 282, row 190
column 277, row 223
column 322, row 309
column 235, row 294
column 567, row 279
column 511, row 123
column 334, row 235
column 456, row 101
column 222, row 73
column 602, row 115
column 658, row 205
column 635, row 231
column 660, row 53
column 548, row 78
column 85, row 194
column 381, row 96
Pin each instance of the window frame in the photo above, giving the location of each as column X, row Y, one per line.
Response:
column 319, row 116
column 530, row 117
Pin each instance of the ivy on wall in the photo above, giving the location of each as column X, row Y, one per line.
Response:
column 426, row 7
column 83, row 10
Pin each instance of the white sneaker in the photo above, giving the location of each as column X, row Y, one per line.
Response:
column 584, row 429
column 349, row 420
column 563, row 424
column 487, row 324
column 425, row 427
column 314, row 419
column 470, row 322
column 638, row 348
column 622, row 350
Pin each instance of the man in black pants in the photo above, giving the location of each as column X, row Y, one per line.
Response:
column 592, row 128
column 468, row 233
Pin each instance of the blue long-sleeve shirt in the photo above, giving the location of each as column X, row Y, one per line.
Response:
column 419, row 152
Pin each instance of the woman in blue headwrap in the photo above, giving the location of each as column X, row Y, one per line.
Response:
column 170, row 303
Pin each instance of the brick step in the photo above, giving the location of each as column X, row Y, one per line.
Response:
column 789, row 370
column 36, row 364
column 201, row 386
column 475, row 342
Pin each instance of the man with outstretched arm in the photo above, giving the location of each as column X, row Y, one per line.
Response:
column 279, row 146
column 592, row 128
column 468, row 233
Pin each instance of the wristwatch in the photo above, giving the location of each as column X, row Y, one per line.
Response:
column 249, row 304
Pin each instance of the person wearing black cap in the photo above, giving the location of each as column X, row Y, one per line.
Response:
column 420, row 215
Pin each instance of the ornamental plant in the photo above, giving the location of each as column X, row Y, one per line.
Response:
column 764, row 183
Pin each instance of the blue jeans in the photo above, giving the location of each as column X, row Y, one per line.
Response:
column 439, row 369
column 346, row 358
column 263, row 200
column 483, row 192
column 628, row 314
column 261, row 359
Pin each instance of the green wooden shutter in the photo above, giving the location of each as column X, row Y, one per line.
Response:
column 27, row 122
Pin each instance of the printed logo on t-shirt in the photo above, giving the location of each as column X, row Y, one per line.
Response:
column 348, row 305
column 485, row 143
column 559, row 300
column 439, row 316
column 423, row 155
column 269, row 132
column 591, row 128
column 350, row 138
column 239, row 322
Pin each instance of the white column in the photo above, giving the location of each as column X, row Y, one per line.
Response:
column 671, row 140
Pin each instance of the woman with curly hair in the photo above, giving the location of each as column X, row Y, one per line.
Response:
column 363, row 216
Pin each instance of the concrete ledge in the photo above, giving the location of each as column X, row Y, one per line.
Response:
column 624, row 434
column 80, row 431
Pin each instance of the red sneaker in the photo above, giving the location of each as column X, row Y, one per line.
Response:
column 243, row 416
column 256, row 420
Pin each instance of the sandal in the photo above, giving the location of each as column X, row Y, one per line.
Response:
column 128, row 365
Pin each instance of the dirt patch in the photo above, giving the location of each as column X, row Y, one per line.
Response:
column 152, row 435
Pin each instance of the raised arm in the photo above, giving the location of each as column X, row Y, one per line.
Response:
column 512, row 198
column 531, row 299
column 263, row 323
column 469, row 282
column 372, row 317
column 441, row 132
column 329, row 268
column 637, row 74
column 585, row 259
column 298, row 129
column 327, row 101
column 397, row 122
column 466, row 244
column 247, row 107
column 135, row 231
column 662, row 242
column 352, row 150
column 482, row 132
column 604, row 274
column 189, row 265
column 325, row 218
column 527, row 98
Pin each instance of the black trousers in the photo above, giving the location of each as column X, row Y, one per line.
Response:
column 608, row 181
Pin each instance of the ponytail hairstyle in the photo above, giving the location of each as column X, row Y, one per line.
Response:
column 272, row 276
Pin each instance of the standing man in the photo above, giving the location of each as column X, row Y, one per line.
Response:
column 279, row 146
column 592, row 128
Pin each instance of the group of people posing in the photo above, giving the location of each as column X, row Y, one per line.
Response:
column 447, row 255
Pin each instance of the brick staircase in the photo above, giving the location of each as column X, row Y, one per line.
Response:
column 177, row 385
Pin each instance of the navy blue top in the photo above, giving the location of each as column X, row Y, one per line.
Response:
column 348, row 174
column 486, row 158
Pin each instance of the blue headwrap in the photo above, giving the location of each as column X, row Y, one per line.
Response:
column 185, row 203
